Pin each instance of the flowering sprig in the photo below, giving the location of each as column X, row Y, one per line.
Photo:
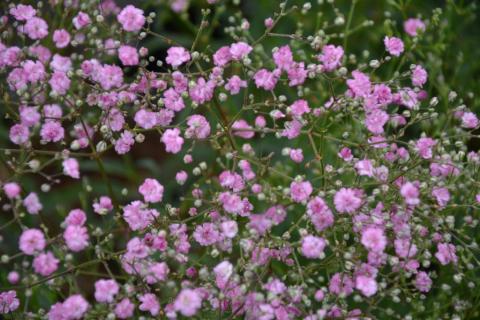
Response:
column 329, row 192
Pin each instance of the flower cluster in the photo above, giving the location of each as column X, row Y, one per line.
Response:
column 307, row 182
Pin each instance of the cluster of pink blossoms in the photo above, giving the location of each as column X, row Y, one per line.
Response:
column 369, row 204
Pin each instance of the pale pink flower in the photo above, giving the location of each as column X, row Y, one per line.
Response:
column 71, row 168
column 172, row 140
column 105, row 290
column 177, row 56
column 151, row 190
column 188, row 302
column 393, row 45
column 31, row 241
column 131, row 18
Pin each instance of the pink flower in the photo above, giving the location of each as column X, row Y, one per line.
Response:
column 341, row 284
column 320, row 214
column 419, row 76
column 446, row 253
column 424, row 147
column 297, row 74
column 157, row 272
column 223, row 272
column 300, row 190
column 283, row 58
column 12, row 190
column 375, row 121
column 36, row 28
column 13, row 277
column 331, row 57
column 29, row 116
column 441, row 195
column 151, row 190
column 266, row 79
column 74, row 307
column 188, row 302
column 105, row 290
column 81, row 20
column 299, row 107
column 312, row 247
column 45, row 264
column 181, row 177
column 346, row 154
column 32, row 203
column 109, row 76
column 202, row 91
column 23, row 12
column 366, row 285
column 128, row 55
column 177, row 56
column 239, row 50
column 364, row 168
column 470, row 120
column 373, row 239
column 222, row 56
column 423, row 282
column 296, row 155
column 131, row 18
column 241, row 129
column 59, row 82
column 52, row 131
column 76, row 217
column 234, row 85
column 31, row 241
column 34, row 70
column 103, row 206
column 137, row 216
column 206, row 234
column 76, row 237
column 124, row 143
column 71, row 168
column 410, row 193
column 19, row 134
column 124, row 309
column 172, row 140
column 198, row 127
column 149, row 302
column 393, row 45
column 347, row 200
column 61, row 38
column 8, row 302
column 360, row 85
column 412, row 26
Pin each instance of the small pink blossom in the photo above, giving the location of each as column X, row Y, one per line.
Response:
column 31, row 241
column 45, row 264
column 312, row 247
column 131, row 18
column 151, row 190
column 61, row 38
column 128, row 55
column 71, row 168
column 188, row 302
column 393, row 45
column 177, row 56
column 149, row 302
column 347, row 200
column 172, row 140
column 412, row 26
column 373, row 239
column 105, row 290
